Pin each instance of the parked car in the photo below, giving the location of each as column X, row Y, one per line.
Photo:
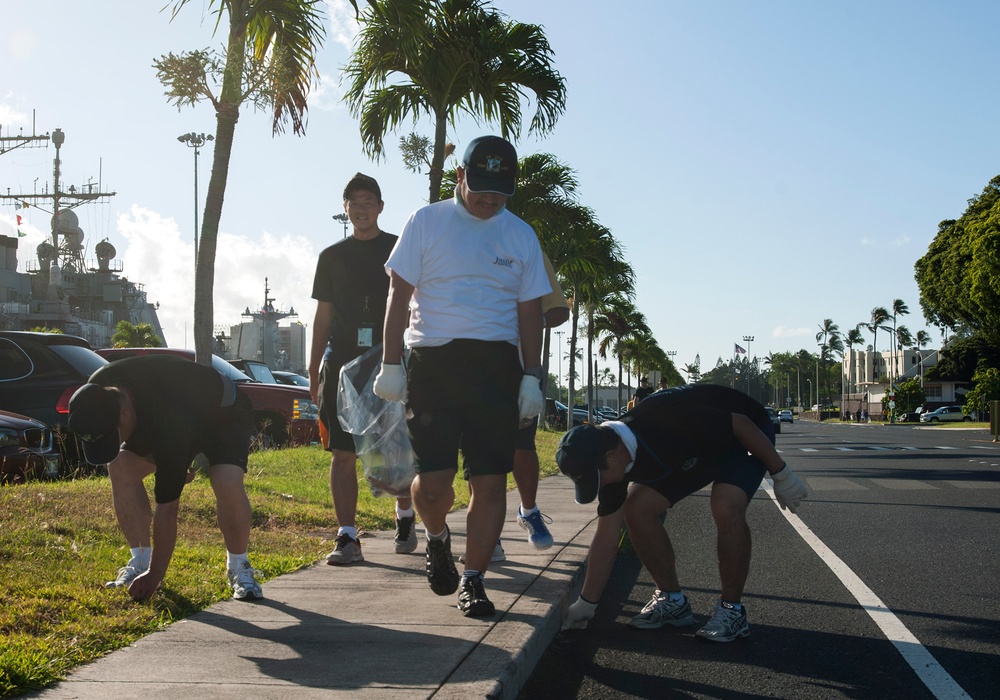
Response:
column 27, row 450
column 555, row 414
column 608, row 413
column 775, row 421
column 285, row 377
column 260, row 372
column 285, row 415
column 785, row 416
column 944, row 414
column 40, row 371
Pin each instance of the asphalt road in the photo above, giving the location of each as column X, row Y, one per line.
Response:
column 902, row 518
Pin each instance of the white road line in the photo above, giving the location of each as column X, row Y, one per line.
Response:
column 930, row 672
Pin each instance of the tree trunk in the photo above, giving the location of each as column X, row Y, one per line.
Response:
column 227, row 112
column 437, row 161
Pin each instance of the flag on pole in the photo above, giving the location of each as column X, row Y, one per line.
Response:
column 739, row 350
column 19, row 233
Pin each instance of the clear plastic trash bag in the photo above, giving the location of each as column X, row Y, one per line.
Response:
column 378, row 427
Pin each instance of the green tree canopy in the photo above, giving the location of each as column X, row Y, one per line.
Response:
column 140, row 335
column 959, row 276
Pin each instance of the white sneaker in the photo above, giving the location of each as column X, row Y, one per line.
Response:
column 244, row 583
column 126, row 575
column 727, row 624
column 498, row 554
column 660, row 611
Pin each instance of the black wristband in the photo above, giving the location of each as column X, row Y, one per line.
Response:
column 589, row 602
column 535, row 372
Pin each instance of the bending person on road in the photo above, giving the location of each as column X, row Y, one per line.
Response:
column 469, row 276
column 154, row 414
column 672, row 444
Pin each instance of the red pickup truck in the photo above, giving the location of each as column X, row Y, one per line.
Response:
column 285, row 415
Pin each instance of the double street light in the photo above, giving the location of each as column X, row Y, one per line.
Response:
column 195, row 141
column 342, row 218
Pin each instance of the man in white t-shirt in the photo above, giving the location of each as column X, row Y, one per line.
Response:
column 469, row 276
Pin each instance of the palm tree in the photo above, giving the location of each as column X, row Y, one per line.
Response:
column 583, row 254
column 140, row 335
column 878, row 317
column 922, row 340
column 852, row 338
column 617, row 320
column 899, row 308
column 466, row 57
column 827, row 330
column 270, row 60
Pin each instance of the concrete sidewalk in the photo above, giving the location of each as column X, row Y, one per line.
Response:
column 371, row 630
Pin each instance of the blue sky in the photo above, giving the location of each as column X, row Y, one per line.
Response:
column 765, row 165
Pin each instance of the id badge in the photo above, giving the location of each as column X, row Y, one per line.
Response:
column 366, row 335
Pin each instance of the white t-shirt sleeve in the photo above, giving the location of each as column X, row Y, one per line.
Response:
column 534, row 281
column 406, row 258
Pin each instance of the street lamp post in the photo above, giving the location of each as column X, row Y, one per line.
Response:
column 559, row 335
column 748, row 339
column 809, row 382
column 342, row 218
column 195, row 141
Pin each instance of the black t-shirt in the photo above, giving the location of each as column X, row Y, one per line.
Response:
column 176, row 405
column 642, row 392
column 679, row 430
column 351, row 275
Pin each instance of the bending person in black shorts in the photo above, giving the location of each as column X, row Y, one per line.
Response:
column 153, row 414
column 672, row 444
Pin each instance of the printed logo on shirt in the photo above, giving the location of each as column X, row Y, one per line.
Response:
column 504, row 262
column 689, row 464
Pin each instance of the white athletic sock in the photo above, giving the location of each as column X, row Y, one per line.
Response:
column 524, row 513
column 443, row 535
column 140, row 557
column 400, row 514
column 351, row 532
column 234, row 562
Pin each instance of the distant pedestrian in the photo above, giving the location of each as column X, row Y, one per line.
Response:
column 643, row 391
column 669, row 446
column 153, row 414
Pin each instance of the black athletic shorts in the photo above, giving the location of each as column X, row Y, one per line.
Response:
column 329, row 382
column 463, row 395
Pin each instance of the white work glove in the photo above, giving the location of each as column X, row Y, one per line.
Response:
column 789, row 489
column 530, row 401
column 390, row 384
column 578, row 614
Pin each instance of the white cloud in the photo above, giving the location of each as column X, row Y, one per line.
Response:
column 158, row 257
column 343, row 25
column 326, row 93
column 901, row 241
column 784, row 332
column 868, row 242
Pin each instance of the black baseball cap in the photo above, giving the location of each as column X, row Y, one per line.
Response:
column 490, row 164
column 93, row 418
column 579, row 457
column 360, row 181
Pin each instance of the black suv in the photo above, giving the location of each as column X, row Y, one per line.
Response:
column 39, row 373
